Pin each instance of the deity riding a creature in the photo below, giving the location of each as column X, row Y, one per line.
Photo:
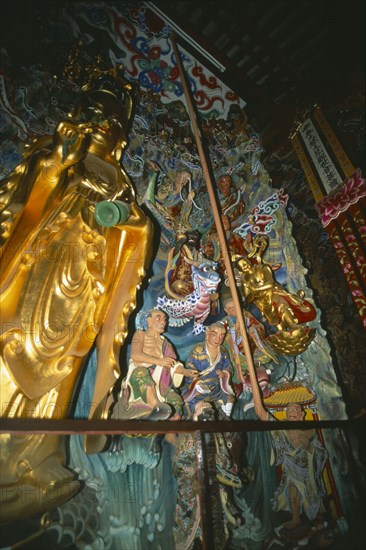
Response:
column 195, row 306
column 286, row 311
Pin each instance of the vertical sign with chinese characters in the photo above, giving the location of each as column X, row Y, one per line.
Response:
column 319, row 157
column 339, row 192
column 322, row 157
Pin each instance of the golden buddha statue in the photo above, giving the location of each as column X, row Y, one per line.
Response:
column 67, row 283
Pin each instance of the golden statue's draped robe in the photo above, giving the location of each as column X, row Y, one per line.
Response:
column 67, row 283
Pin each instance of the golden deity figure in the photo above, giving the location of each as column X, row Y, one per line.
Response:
column 68, row 283
column 286, row 311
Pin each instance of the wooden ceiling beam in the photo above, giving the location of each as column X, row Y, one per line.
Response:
column 268, row 46
column 248, row 49
column 232, row 76
column 261, row 106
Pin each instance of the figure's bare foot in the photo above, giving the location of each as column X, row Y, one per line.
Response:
column 38, row 490
column 50, row 471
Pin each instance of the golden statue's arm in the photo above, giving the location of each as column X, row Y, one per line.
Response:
column 35, row 181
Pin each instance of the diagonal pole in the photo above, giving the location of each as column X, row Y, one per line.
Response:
column 204, row 491
column 219, row 225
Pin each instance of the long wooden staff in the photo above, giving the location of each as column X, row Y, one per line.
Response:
column 219, row 226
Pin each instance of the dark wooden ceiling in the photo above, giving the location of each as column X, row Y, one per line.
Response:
column 280, row 55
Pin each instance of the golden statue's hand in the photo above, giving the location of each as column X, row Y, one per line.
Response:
column 71, row 142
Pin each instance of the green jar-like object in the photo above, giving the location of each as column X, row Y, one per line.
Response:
column 109, row 213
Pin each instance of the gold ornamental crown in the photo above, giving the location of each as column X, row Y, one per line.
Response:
column 93, row 75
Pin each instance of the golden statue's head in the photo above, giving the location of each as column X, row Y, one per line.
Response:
column 111, row 93
column 106, row 96
column 111, row 87
column 96, row 75
column 107, row 102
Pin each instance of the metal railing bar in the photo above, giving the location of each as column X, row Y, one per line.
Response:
column 80, row 426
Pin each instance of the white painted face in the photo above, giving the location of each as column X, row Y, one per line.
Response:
column 157, row 321
column 215, row 336
column 294, row 412
column 230, row 309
